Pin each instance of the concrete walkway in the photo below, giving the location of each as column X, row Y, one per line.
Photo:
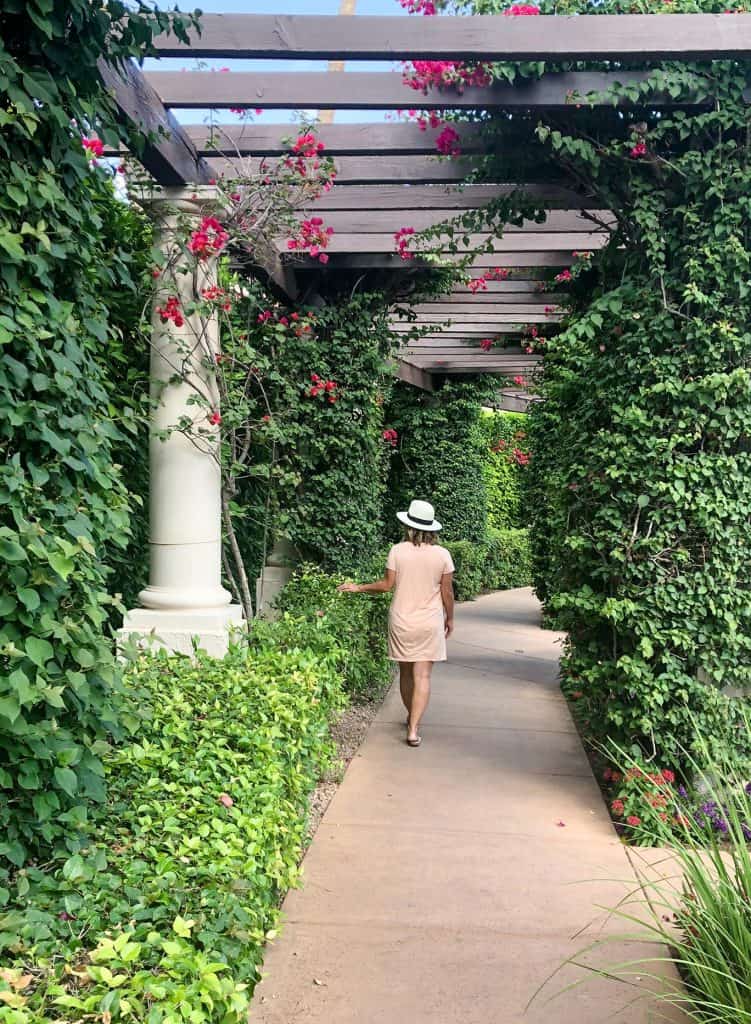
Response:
column 446, row 883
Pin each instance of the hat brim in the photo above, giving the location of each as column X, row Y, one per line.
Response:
column 434, row 527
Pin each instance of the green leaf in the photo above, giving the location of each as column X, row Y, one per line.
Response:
column 30, row 598
column 63, row 566
column 10, row 708
column 11, row 551
column 67, row 780
column 40, row 651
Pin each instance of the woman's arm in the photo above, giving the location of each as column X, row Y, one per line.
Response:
column 447, row 596
column 379, row 587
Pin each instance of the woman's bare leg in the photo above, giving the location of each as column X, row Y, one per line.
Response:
column 406, row 683
column 420, row 696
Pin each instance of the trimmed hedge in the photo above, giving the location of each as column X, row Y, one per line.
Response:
column 159, row 911
column 501, row 563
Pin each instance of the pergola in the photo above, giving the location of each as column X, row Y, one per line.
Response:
column 388, row 176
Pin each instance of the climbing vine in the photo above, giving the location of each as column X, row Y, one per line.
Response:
column 641, row 462
column 63, row 505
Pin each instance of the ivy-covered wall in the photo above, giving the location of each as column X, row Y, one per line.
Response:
column 441, row 454
column 63, row 502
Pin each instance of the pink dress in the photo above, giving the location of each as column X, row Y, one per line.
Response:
column 416, row 622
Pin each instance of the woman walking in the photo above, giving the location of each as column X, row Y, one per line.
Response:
column 421, row 617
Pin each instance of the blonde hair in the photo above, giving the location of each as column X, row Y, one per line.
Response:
column 418, row 537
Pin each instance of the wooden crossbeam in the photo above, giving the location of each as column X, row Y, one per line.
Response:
column 414, row 375
column 168, row 154
column 252, row 139
column 376, row 90
column 461, row 331
column 367, row 170
column 470, row 310
column 390, row 261
column 495, row 38
column 387, row 222
column 446, row 197
column 529, row 241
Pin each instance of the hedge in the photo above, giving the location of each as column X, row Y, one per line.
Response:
column 160, row 909
column 501, row 563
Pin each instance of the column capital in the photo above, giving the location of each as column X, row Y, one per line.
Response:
column 187, row 200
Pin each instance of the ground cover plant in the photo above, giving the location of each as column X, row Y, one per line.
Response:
column 161, row 913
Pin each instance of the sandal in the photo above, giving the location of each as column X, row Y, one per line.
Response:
column 415, row 742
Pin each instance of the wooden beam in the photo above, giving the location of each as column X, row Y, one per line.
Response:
column 387, row 222
column 414, row 375
column 460, row 332
column 688, row 37
column 532, row 241
column 390, row 261
column 366, row 170
column 470, row 310
column 446, row 197
column 378, row 90
column 252, row 139
column 168, row 154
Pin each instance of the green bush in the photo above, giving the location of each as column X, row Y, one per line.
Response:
column 469, row 563
column 508, row 560
column 441, row 455
column 504, row 478
column 358, row 622
column 162, row 916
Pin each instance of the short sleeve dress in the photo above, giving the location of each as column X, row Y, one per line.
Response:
column 416, row 621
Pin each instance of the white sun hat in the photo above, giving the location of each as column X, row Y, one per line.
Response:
column 421, row 516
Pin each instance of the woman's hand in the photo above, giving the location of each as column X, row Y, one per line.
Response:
column 448, row 627
column 349, row 588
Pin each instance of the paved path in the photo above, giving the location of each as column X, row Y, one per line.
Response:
column 441, row 886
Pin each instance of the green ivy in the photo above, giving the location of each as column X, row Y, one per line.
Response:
column 441, row 455
column 63, row 504
column 504, row 478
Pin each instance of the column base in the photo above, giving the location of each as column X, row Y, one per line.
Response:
column 175, row 630
column 268, row 588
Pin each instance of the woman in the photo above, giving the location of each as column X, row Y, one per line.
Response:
column 421, row 617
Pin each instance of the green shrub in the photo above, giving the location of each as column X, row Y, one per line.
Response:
column 508, row 560
column 504, row 478
column 358, row 622
column 163, row 915
column 469, row 563
column 441, row 455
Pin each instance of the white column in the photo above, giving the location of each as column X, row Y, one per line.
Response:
column 184, row 597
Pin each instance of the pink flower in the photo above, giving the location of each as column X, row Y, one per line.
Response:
column 520, row 9
column 640, row 149
column 565, row 275
column 402, row 238
column 419, row 6
column 215, row 419
column 171, row 311
column 617, row 807
column 226, row 800
column 486, row 344
column 633, row 820
column 447, row 143
column 209, row 239
column 94, row 147
column 521, row 382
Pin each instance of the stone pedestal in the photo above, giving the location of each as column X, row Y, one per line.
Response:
column 185, row 598
column 276, row 573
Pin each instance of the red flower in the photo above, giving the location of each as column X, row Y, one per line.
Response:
column 209, row 239
column 94, row 147
column 668, row 776
column 565, row 275
column 447, row 143
column 519, row 9
column 617, row 807
column 215, row 419
column 640, row 149
column 171, row 311
column 401, row 238
column 486, row 344
column 521, row 382
column 633, row 820
column 419, row 6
